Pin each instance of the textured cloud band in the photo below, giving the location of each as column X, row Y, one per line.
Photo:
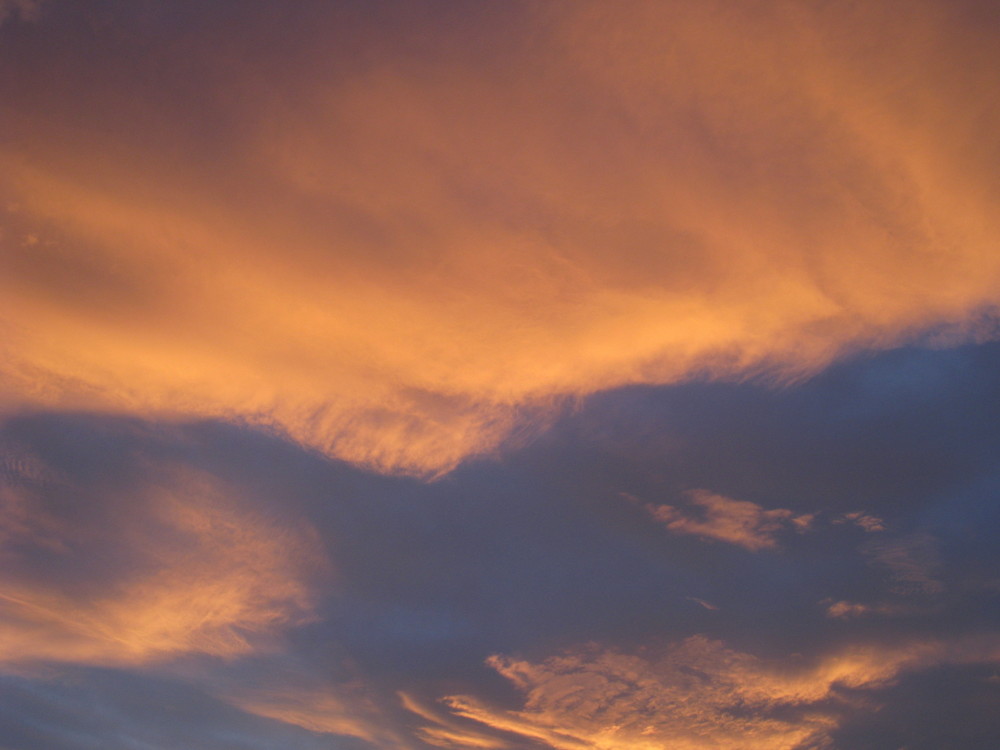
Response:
column 699, row 694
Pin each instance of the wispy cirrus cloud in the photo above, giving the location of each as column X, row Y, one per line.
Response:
column 151, row 573
column 308, row 701
column 442, row 730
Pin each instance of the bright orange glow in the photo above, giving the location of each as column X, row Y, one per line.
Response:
column 387, row 265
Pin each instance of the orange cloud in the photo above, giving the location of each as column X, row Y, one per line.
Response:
column 343, row 710
column 179, row 568
column 737, row 522
column 444, row 731
column 387, row 260
column 696, row 694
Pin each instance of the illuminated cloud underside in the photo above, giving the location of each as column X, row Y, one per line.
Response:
column 697, row 694
column 387, row 260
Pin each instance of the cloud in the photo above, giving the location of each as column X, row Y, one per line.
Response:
column 736, row 522
column 128, row 576
column 390, row 242
column 343, row 710
column 24, row 10
column 702, row 603
column 911, row 563
column 864, row 520
column 93, row 708
column 444, row 731
column 845, row 610
column 697, row 693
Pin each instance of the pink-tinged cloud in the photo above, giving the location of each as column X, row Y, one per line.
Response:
column 724, row 519
column 391, row 241
column 698, row 694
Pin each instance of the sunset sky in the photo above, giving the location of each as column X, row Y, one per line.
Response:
column 550, row 375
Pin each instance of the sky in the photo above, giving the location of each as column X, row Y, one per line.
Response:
column 399, row 375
